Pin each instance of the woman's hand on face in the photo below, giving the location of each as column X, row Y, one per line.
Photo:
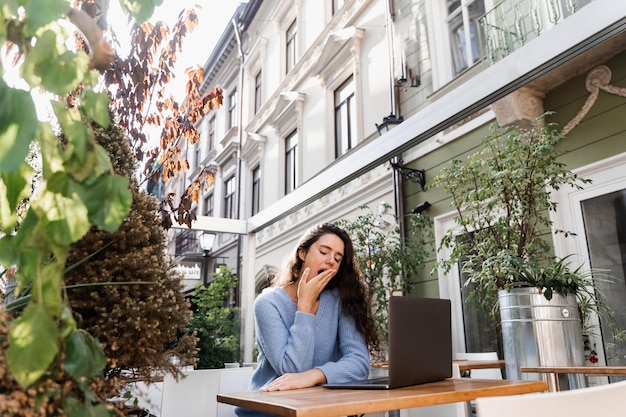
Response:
column 298, row 380
column 309, row 289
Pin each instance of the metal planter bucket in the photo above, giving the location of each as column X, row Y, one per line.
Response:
column 540, row 332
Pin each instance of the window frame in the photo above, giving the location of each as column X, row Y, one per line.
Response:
column 229, row 209
column 258, row 91
column 348, row 107
column 232, row 109
column 211, row 133
column 607, row 176
column 255, row 175
column 440, row 49
column 341, row 59
column 291, row 45
column 291, row 162
column 208, row 201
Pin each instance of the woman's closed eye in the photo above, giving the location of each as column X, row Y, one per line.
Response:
column 337, row 259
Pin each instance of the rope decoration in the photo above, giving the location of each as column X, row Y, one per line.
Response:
column 597, row 79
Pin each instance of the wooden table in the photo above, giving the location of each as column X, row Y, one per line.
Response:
column 323, row 402
column 553, row 372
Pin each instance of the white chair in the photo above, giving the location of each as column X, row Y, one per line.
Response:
column 196, row 394
column 599, row 401
column 492, row 373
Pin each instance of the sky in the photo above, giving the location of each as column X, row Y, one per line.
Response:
column 213, row 17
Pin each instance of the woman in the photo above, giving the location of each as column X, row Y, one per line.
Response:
column 315, row 324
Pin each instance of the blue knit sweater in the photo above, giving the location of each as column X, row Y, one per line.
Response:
column 292, row 341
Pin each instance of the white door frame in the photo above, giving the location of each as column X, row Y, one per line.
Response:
column 607, row 176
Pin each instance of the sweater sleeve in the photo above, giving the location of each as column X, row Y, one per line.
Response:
column 286, row 340
column 354, row 360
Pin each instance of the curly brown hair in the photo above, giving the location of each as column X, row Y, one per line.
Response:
column 355, row 299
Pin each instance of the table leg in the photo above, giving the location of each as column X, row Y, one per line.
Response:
column 553, row 382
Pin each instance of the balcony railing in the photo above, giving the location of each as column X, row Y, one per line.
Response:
column 187, row 242
column 513, row 23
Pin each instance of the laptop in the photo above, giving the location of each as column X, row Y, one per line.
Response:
column 420, row 344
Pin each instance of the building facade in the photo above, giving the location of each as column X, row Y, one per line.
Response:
column 320, row 97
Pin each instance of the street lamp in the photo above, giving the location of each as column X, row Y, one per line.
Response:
column 207, row 240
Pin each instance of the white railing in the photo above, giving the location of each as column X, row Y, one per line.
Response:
column 512, row 23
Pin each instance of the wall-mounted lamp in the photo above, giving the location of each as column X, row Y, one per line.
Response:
column 392, row 119
column 407, row 76
column 207, row 240
column 418, row 176
column 421, row 207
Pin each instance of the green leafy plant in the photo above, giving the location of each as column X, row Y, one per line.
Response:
column 390, row 264
column 215, row 321
column 49, row 365
column 79, row 189
column 501, row 195
column 502, row 198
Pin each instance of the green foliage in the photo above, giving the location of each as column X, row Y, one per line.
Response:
column 502, row 197
column 78, row 190
column 389, row 263
column 215, row 322
column 141, row 10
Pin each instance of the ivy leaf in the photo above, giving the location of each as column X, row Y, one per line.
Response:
column 84, row 357
column 78, row 136
column 96, row 107
column 108, row 201
column 63, row 218
column 9, row 254
column 51, row 278
column 18, row 126
column 52, row 160
column 14, row 187
column 140, row 9
column 51, row 66
column 40, row 13
column 68, row 71
column 34, row 344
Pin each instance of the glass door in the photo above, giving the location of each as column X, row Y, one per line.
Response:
column 597, row 216
column 604, row 219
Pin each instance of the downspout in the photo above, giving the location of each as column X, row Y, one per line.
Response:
column 236, row 300
column 398, row 186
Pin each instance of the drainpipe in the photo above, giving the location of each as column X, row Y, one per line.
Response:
column 239, row 146
column 398, row 188
column 392, row 82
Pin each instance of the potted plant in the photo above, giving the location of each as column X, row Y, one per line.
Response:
column 502, row 197
column 390, row 262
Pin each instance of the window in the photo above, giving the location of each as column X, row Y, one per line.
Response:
column 345, row 118
column 257, row 92
column 232, row 109
column 229, row 198
column 473, row 328
column 596, row 215
column 208, row 205
column 211, row 136
column 463, row 33
column 197, row 154
column 291, row 171
column 482, row 329
column 256, row 189
column 291, row 46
